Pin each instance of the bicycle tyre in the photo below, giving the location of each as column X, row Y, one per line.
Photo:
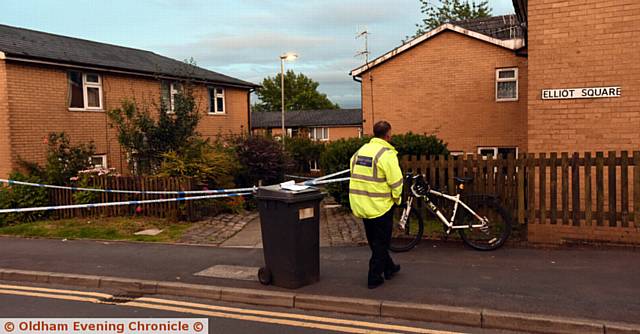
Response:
column 407, row 241
column 500, row 220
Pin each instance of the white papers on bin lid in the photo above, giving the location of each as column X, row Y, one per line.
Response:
column 291, row 185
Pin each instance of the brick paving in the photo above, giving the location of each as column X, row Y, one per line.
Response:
column 338, row 227
column 218, row 229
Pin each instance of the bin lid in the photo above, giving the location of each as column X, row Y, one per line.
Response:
column 289, row 196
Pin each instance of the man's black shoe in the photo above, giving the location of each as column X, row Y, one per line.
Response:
column 375, row 282
column 388, row 274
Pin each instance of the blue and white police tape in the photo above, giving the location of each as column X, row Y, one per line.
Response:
column 98, row 205
column 299, row 177
column 143, row 192
column 331, row 175
column 319, row 182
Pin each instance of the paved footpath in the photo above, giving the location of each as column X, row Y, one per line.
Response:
column 584, row 283
column 337, row 228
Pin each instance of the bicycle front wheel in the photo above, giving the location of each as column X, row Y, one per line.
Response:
column 404, row 238
column 497, row 228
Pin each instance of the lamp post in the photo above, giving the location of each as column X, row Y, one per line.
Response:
column 286, row 56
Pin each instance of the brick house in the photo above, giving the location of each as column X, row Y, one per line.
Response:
column 56, row 83
column 464, row 82
column 323, row 125
column 496, row 85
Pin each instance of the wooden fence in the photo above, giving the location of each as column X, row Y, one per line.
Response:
column 169, row 209
column 578, row 190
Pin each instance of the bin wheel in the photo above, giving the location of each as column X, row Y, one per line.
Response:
column 264, row 276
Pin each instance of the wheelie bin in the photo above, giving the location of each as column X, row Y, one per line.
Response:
column 290, row 226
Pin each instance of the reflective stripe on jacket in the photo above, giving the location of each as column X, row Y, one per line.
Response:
column 376, row 179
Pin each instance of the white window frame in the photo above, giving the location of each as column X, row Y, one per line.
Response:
column 314, row 166
column 172, row 91
column 213, row 107
column 314, row 131
column 104, row 160
column 514, row 79
column 85, row 95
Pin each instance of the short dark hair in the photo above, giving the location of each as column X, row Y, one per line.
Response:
column 381, row 129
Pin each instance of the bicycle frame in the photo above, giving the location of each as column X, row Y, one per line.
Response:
column 434, row 210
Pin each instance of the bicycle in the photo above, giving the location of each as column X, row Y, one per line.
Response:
column 482, row 222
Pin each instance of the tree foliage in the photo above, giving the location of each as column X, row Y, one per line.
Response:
column 146, row 139
column 301, row 93
column 445, row 11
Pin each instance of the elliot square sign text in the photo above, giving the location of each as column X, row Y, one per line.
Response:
column 581, row 93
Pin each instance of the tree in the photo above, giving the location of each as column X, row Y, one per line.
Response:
column 146, row 139
column 301, row 93
column 446, row 11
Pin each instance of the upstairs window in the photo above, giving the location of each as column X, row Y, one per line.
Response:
column 319, row 134
column 507, row 84
column 216, row 100
column 85, row 91
column 169, row 90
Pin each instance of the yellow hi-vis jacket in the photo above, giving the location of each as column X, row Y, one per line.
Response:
column 376, row 179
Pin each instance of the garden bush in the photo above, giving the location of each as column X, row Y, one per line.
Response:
column 210, row 166
column 302, row 150
column 261, row 160
column 17, row 196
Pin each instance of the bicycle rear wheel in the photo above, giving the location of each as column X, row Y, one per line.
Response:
column 404, row 239
column 498, row 226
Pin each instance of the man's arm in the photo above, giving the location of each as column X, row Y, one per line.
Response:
column 394, row 176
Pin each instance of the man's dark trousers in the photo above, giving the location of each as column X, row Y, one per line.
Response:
column 379, row 237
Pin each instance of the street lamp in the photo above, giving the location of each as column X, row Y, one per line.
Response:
column 290, row 57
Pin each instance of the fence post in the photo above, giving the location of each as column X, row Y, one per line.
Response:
column 532, row 189
column 624, row 188
column 553, row 187
column 564, row 169
column 543, row 188
column 521, row 163
column 450, row 183
column 575, row 188
column 600, row 188
column 636, row 189
column 587, row 189
column 612, row 188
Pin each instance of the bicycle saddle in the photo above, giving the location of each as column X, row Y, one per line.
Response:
column 463, row 180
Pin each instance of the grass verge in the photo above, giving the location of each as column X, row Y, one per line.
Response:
column 112, row 228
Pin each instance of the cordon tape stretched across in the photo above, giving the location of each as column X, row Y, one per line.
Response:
column 220, row 194
column 97, row 205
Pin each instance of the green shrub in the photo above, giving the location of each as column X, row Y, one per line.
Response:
column 17, row 196
column 302, row 150
column 261, row 160
column 337, row 155
column 214, row 167
column 415, row 144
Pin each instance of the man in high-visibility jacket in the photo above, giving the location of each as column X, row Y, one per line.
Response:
column 374, row 189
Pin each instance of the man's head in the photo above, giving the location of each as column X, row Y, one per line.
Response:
column 382, row 130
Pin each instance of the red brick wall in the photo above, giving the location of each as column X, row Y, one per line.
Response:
column 335, row 133
column 584, row 43
column 38, row 105
column 5, row 145
column 446, row 86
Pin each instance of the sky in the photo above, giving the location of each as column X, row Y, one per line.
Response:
column 240, row 38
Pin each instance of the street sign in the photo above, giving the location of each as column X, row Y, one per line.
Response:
column 581, row 93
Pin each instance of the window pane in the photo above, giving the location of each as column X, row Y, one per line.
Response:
column 507, row 90
column 165, row 91
column 93, row 97
column 506, row 74
column 93, row 78
column 220, row 91
column 76, row 98
column 98, row 162
column 487, row 152
column 220, row 104
column 505, row 151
